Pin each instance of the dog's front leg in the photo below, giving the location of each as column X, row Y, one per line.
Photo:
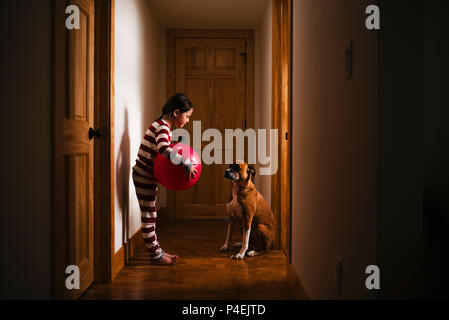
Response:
column 245, row 242
column 225, row 247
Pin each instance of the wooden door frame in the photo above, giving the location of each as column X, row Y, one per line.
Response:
column 281, row 114
column 103, row 148
column 172, row 35
column 105, row 263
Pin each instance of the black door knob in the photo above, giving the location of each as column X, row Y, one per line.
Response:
column 94, row 133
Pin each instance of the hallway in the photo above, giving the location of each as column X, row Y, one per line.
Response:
column 202, row 272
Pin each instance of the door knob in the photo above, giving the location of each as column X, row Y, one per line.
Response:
column 94, row 133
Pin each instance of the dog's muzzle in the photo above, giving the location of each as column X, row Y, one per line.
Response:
column 230, row 175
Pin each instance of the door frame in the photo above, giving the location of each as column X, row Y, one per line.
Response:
column 172, row 35
column 105, row 257
column 281, row 119
column 103, row 148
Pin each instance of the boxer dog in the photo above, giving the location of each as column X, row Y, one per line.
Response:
column 248, row 208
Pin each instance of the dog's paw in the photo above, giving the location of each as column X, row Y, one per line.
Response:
column 224, row 248
column 238, row 256
column 251, row 253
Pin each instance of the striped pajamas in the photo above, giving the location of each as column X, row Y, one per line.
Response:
column 157, row 139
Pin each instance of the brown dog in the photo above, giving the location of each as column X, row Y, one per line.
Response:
column 247, row 207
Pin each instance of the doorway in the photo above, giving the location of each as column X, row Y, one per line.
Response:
column 215, row 68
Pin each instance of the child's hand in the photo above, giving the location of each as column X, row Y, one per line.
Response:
column 192, row 172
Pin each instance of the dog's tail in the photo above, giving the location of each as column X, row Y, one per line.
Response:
column 268, row 234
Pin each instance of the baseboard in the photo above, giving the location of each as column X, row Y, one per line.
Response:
column 118, row 262
column 296, row 285
column 133, row 242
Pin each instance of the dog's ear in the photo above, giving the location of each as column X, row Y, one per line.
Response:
column 252, row 171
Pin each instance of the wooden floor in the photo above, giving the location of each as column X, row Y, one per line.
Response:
column 203, row 272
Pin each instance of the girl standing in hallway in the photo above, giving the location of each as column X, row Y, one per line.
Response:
column 175, row 114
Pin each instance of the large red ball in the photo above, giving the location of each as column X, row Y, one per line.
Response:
column 175, row 177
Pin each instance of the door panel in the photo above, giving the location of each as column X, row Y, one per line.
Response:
column 212, row 74
column 78, row 53
column 78, row 149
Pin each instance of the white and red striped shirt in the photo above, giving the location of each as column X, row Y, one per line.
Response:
column 157, row 139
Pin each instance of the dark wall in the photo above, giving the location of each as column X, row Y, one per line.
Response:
column 435, row 124
column 25, row 212
column 399, row 242
column 413, row 141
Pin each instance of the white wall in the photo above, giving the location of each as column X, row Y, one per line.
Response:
column 263, row 70
column 334, row 155
column 139, row 96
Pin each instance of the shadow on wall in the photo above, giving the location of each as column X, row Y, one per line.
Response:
column 123, row 175
column 151, row 83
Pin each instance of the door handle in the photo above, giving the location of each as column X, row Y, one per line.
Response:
column 94, row 133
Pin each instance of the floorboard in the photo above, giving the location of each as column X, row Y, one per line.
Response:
column 203, row 272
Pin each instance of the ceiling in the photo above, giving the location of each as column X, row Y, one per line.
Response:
column 202, row 14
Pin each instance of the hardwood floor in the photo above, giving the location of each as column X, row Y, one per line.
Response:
column 203, row 272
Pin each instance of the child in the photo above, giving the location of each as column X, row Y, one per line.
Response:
column 175, row 114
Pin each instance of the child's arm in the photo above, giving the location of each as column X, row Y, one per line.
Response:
column 163, row 147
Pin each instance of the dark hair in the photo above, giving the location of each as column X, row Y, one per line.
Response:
column 177, row 101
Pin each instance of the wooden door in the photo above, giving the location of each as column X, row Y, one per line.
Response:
column 212, row 73
column 79, row 148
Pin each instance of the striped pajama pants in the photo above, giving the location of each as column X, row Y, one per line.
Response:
column 146, row 191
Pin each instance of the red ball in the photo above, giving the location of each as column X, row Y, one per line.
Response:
column 175, row 177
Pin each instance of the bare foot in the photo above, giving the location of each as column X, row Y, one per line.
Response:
column 173, row 257
column 165, row 260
